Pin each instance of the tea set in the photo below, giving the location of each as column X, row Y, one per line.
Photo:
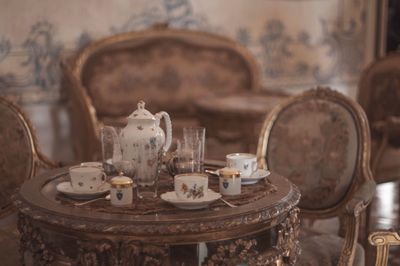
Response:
column 142, row 142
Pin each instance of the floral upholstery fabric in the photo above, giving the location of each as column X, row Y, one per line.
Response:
column 325, row 250
column 167, row 73
column 16, row 156
column 314, row 144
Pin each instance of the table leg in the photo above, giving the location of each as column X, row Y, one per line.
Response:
column 288, row 233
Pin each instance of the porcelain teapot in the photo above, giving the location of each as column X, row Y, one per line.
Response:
column 143, row 140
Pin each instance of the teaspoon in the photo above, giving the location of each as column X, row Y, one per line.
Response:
column 90, row 201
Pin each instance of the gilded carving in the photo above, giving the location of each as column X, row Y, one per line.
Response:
column 240, row 251
column 121, row 253
column 32, row 243
column 383, row 240
column 288, row 232
column 135, row 253
column 97, row 252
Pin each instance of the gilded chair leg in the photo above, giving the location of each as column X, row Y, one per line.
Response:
column 383, row 240
column 382, row 255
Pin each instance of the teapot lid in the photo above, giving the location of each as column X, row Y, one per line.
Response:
column 141, row 113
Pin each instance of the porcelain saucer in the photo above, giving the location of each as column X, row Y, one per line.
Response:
column 66, row 189
column 171, row 197
column 254, row 178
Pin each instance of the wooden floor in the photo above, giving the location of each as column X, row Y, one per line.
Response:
column 51, row 124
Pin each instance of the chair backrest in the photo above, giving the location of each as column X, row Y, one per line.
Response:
column 19, row 157
column 320, row 141
column 167, row 67
column 379, row 91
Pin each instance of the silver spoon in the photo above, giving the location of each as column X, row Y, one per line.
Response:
column 228, row 203
column 211, row 172
column 90, row 201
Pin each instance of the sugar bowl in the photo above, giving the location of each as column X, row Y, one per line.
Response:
column 229, row 181
column 121, row 190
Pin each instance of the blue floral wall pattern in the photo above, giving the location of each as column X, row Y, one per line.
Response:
column 297, row 43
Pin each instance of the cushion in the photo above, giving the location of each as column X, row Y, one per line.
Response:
column 168, row 73
column 314, row 143
column 324, row 250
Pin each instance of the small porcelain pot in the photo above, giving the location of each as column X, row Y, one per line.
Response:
column 121, row 191
column 191, row 187
column 230, row 182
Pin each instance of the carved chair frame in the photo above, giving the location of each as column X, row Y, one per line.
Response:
column 73, row 69
column 38, row 160
column 362, row 188
column 383, row 240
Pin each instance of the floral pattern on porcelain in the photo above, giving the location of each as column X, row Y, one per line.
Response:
column 144, row 142
column 193, row 192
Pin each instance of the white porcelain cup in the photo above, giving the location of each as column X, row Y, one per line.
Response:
column 86, row 178
column 246, row 163
column 191, row 186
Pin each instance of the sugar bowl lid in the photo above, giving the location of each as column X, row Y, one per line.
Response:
column 121, row 181
column 228, row 172
column 141, row 113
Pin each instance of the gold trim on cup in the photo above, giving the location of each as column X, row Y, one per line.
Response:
column 229, row 172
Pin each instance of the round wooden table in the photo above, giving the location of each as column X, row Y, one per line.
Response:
column 262, row 230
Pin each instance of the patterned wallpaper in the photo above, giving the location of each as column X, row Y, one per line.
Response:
column 298, row 43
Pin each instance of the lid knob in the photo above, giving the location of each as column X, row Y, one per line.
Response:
column 141, row 104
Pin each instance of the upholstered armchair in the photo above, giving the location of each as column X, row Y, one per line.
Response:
column 379, row 95
column 20, row 160
column 320, row 141
column 383, row 240
column 167, row 68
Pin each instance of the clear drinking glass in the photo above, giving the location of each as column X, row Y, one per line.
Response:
column 188, row 157
column 147, row 169
column 111, row 149
column 194, row 141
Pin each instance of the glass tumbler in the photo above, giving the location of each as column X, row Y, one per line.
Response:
column 111, row 149
column 194, row 140
column 147, row 169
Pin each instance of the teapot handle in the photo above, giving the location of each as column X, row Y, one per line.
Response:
column 168, row 128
